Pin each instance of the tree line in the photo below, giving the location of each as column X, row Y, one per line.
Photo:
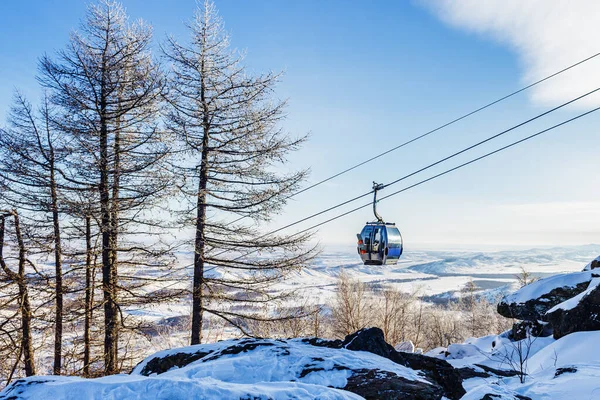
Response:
column 129, row 150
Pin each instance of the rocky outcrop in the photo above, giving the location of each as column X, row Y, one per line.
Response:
column 383, row 385
column 531, row 302
column 439, row 371
column 558, row 305
column 400, row 376
column 593, row 264
column 582, row 315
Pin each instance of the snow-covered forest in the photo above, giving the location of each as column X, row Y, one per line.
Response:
column 135, row 260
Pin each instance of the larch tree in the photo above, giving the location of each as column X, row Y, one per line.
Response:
column 17, row 277
column 231, row 147
column 31, row 150
column 108, row 89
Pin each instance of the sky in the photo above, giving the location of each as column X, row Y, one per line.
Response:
column 363, row 77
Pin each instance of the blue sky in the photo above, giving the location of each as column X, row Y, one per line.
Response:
column 362, row 77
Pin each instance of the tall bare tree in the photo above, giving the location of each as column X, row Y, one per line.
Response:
column 226, row 122
column 108, row 89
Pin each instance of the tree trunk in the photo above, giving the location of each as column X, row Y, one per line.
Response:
column 25, row 305
column 58, row 316
column 88, row 297
column 197, row 295
column 19, row 279
column 108, row 287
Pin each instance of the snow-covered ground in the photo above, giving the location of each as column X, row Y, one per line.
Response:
column 261, row 369
column 438, row 275
column 563, row 369
column 567, row 368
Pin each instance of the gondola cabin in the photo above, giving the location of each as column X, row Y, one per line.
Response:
column 380, row 243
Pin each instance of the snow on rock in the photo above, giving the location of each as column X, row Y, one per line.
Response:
column 595, row 263
column 578, row 314
column 137, row 387
column 458, row 351
column 264, row 369
column 531, row 302
column 574, row 301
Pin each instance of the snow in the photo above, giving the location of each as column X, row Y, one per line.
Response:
column 291, row 369
column 278, row 360
column 437, row 274
column 577, row 354
column 543, row 286
column 458, row 351
column 575, row 348
column 135, row 387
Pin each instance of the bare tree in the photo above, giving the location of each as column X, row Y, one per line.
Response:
column 32, row 150
column 18, row 278
column 351, row 306
column 524, row 277
column 108, row 89
column 226, row 123
column 394, row 313
column 516, row 354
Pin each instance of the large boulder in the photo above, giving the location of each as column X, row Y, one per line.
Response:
column 531, row 302
column 436, row 370
column 578, row 314
column 329, row 363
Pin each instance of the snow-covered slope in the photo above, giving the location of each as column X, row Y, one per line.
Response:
column 563, row 369
column 236, row 369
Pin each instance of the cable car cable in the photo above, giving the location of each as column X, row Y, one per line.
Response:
column 447, row 124
column 435, row 129
column 429, row 165
column 439, row 175
column 454, row 168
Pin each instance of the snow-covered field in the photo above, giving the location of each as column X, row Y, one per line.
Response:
column 440, row 273
column 437, row 275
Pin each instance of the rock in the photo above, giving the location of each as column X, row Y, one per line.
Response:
column 438, row 371
column 406, row 347
column 565, row 370
column 520, row 330
column 313, row 360
column 483, row 371
column 582, row 315
column 318, row 342
column 159, row 365
column 384, row 385
column 469, row 372
column 498, row 372
column 491, row 396
column 593, row 265
column 531, row 302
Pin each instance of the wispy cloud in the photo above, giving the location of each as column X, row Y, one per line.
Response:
column 547, row 35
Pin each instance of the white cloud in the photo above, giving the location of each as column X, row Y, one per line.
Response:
column 547, row 35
